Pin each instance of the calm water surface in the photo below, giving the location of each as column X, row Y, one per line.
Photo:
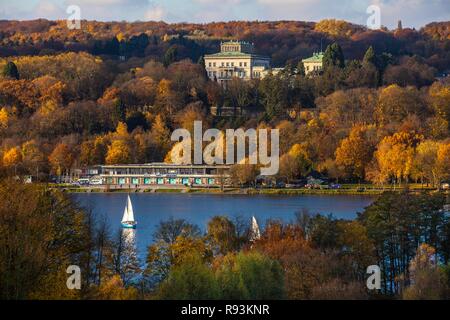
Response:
column 150, row 209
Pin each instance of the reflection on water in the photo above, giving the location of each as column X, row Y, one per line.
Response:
column 129, row 236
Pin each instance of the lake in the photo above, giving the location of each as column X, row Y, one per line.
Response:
column 151, row 208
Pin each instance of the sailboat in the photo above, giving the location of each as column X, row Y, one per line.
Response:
column 128, row 216
column 255, row 233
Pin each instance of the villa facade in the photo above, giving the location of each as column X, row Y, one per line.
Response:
column 313, row 64
column 236, row 59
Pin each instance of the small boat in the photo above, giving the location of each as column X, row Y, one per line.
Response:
column 255, row 234
column 128, row 216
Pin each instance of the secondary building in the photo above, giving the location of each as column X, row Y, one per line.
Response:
column 236, row 59
column 160, row 174
column 313, row 64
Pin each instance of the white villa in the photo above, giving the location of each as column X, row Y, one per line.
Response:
column 236, row 59
column 313, row 64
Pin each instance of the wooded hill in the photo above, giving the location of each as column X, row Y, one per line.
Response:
column 283, row 41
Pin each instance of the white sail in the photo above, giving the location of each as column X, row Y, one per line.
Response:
column 130, row 216
column 256, row 234
column 125, row 214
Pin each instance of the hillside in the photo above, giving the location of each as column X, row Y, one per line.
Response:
column 282, row 40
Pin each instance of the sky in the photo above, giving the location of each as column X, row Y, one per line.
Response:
column 413, row 13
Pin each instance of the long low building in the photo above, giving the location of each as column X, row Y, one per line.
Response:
column 138, row 175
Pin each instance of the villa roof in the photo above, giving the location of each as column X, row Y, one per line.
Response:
column 235, row 54
column 236, row 42
column 316, row 57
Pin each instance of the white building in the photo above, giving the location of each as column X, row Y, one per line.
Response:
column 236, row 60
column 313, row 64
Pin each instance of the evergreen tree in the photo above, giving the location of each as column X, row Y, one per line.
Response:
column 301, row 68
column 120, row 110
column 170, row 56
column 201, row 61
column 370, row 57
column 10, row 71
column 333, row 56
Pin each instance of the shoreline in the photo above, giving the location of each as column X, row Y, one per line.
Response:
column 250, row 191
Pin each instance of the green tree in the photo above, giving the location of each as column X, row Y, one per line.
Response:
column 396, row 223
column 41, row 235
column 370, row 57
column 173, row 239
column 120, row 110
column 251, row 275
column 275, row 94
column 170, row 56
column 191, row 280
column 356, row 244
column 301, row 68
column 10, row 70
column 333, row 56
column 222, row 235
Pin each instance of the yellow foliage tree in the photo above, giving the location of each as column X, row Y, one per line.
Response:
column 113, row 289
column 161, row 135
column 395, row 155
column 31, row 154
column 118, row 153
column 355, row 152
column 443, row 161
column 440, row 100
column 396, row 103
column 12, row 157
column 61, row 159
column 295, row 163
column 4, row 118
column 335, row 27
column 425, row 161
column 121, row 130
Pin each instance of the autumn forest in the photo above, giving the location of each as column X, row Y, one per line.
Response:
column 112, row 93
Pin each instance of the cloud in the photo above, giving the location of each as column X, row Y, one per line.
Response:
column 50, row 9
column 155, row 13
column 111, row 10
column 412, row 12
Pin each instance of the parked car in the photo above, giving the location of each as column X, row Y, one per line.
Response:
column 335, row 186
column 96, row 182
column 312, row 186
column 83, row 182
column 280, row 185
column 293, row 185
